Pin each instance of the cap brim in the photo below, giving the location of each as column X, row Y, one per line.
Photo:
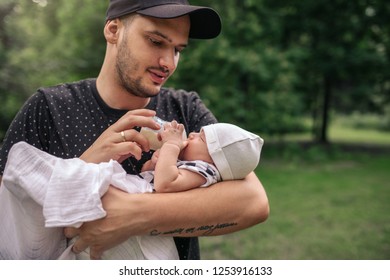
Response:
column 205, row 22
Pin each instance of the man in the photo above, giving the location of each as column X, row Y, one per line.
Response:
column 97, row 120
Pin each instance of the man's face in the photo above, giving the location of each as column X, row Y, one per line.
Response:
column 148, row 53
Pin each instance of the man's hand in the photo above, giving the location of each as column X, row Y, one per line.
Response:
column 106, row 233
column 121, row 140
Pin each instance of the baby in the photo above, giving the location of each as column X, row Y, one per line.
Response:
column 41, row 194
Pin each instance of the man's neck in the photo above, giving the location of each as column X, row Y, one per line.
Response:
column 117, row 97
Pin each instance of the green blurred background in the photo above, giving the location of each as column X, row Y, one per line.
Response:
column 311, row 77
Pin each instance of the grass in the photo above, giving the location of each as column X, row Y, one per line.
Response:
column 341, row 134
column 326, row 204
column 356, row 129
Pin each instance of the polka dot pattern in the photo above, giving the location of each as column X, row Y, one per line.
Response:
column 66, row 119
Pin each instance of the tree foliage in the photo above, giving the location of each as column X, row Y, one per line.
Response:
column 245, row 79
column 44, row 43
column 345, row 63
column 275, row 62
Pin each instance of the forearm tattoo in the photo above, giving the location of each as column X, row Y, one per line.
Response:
column 205, row 230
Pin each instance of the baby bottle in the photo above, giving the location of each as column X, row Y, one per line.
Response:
column 151, row 134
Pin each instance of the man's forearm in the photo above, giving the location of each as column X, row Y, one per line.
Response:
column 223, row 208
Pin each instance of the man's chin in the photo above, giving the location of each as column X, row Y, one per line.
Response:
column 148, row 92
column 154, row 91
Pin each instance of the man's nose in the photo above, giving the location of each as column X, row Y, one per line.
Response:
column 167, row 62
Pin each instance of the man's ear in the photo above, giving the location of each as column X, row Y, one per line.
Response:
column 111, row 31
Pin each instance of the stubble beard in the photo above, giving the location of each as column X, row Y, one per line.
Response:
column 126, row 65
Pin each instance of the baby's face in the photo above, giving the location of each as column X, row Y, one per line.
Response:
column 196, row 148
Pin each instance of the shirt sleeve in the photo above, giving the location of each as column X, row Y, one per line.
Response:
column 32, row 124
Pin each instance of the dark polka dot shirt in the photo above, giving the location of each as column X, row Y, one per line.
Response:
column 64, row 120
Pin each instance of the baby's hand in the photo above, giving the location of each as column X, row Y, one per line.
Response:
column 151, row 164
column 173, row 134
column 155, row 156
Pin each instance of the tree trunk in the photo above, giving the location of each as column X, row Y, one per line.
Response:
column 323, row 137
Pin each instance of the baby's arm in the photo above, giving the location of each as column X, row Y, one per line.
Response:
column 167, row 177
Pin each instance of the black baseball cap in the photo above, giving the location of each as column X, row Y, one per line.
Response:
column 205, row 22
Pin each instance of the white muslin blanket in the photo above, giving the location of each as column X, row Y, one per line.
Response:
column 40, row 194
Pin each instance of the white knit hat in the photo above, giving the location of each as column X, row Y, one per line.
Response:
column 235, row 151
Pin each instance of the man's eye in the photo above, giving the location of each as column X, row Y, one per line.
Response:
column 155, row 42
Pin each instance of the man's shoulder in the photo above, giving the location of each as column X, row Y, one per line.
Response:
column 79, row 92
column 72, row 87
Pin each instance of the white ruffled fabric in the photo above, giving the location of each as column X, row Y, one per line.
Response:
column 40, row 194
